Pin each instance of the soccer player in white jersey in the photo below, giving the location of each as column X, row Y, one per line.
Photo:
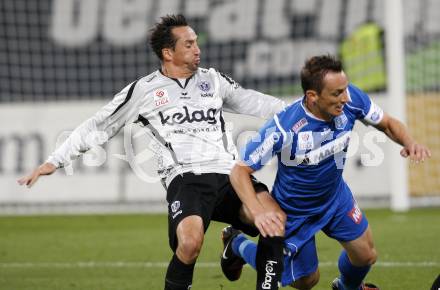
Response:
column 182, row 107
column 310, row 138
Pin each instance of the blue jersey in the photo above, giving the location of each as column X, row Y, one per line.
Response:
column 310, row 151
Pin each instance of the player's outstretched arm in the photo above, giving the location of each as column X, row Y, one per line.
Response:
column 44, row 169
column 239, row 100
column 398, row 132
column 108, row 120
column 268, row 221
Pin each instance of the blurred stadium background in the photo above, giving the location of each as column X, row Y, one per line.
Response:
column 61, row 60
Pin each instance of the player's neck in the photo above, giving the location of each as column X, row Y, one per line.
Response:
column 315, row 111
column 176, row 72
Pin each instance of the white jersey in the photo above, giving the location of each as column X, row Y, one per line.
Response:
column 185, row 118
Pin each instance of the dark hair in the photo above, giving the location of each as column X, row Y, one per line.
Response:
column 315, row 69
column 161, row 35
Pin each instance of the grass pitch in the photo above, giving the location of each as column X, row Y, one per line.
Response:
column 129, row 252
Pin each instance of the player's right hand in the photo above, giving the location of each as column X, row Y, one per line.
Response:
column 43, row 169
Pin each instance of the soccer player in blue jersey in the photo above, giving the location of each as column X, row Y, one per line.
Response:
column 310, row 139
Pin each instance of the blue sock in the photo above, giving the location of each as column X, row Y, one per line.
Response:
column 351, row 276
column 245, row 248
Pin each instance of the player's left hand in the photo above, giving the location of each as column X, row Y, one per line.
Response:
column 416, row 152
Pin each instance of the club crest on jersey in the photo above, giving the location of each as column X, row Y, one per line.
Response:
column 340, row 121
column 375, row 116
column 175, row 206
column 299, row 125
column 204, row 86
column 305, row 140
column 160, row 97
column 377, row 113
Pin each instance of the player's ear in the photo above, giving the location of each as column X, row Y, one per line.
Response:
column 167, row 54
column 312, row 95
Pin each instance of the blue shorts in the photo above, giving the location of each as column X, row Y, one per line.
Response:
column 343, row 221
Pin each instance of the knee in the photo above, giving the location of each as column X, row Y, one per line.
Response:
column 307, row 282
column 368, row 258
column 372, row 257
column 189, row 247
column 311, row 280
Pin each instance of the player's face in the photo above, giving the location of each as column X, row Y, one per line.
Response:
column 187, row 52
column 334, row 95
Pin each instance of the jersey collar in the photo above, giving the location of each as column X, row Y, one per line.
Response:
column 177, row 81
column 308, row 113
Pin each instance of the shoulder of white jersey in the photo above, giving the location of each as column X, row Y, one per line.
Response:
column 148, row 79
column 127, row 92
column 137, row 88
column 225, row 77
column 146, row 83
column 206, row 73
column 210, row 70
column 202, row 70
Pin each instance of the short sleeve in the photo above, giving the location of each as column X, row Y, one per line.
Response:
column 268, row 142
column 366, row 109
